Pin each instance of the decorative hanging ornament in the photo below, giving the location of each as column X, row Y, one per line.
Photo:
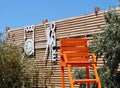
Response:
column 51, row 41
column 29, row 43
column 29, row 47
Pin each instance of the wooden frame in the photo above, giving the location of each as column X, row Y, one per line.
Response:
column 74, row 52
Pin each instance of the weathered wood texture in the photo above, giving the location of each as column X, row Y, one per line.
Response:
column 81, row 26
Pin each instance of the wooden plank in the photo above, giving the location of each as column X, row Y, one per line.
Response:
column 76, row 54
column 74, row 49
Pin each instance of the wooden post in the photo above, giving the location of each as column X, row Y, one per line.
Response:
column 96, row 10
column 7, row 34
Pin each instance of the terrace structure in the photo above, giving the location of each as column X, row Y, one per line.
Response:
column 76, row 27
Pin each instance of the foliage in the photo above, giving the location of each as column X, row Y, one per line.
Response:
column 107, row 80
column 17, row 71
column 107, row 44
column 79, row 73
column 2, row 38
column 45, row 73
column 12, row 66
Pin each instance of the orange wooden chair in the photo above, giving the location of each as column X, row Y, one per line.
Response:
column 74, row 52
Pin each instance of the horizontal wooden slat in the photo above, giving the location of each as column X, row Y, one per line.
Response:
column 71, row 44
column 73, row 40
column 74, row 49
column 84, row 80
column 77, row 54
column 77, row 60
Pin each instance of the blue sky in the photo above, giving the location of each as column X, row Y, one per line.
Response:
column 20, row 13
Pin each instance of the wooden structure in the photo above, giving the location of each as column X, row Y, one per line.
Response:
column 74, row 52
column 81, row 26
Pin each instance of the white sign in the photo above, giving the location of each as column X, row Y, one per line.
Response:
column 29, row 43
column 51, row 41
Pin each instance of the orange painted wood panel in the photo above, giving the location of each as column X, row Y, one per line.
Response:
column 74, row 49
column 77, row 54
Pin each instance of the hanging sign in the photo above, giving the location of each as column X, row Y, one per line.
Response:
column 51, row 41
column 29, row 42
